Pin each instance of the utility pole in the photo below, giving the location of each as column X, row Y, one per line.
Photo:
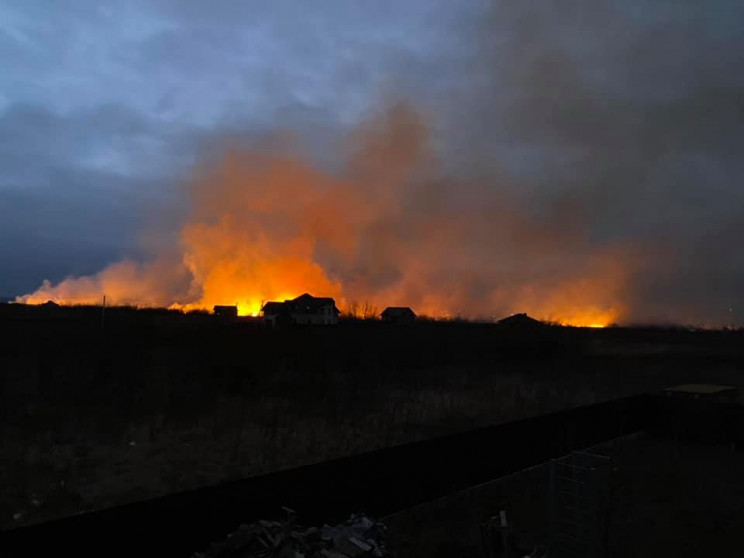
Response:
column 103, row 310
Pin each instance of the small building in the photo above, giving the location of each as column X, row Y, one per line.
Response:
column 226, row 312
column 521, row 320
column 398, row 315
column 303, row 310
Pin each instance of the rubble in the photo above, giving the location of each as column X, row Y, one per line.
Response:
column 358, row 537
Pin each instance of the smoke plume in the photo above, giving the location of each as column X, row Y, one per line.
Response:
column 572, row 161
column 390, row 228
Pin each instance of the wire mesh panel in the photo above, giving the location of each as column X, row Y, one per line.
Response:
column 579, row 493
column 492, row 539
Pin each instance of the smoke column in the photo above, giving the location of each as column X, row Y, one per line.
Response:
column 573, row 160
column 389, row 229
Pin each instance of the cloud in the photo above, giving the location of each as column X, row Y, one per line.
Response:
column 76, row 189
column 629, row 114
column 620, row 122
column 105, row 105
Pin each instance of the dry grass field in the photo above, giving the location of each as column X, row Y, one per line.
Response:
column 156, row 402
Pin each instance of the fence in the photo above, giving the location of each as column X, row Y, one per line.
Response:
column 579, row 495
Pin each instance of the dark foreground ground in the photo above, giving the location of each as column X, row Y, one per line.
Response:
column 149, row 403
column 375, row 483
column 669, row 498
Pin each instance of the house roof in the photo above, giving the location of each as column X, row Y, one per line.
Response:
column 310, row 304
column 397, row 311
column 520, row 319
column 305, row 303
column 275, row 308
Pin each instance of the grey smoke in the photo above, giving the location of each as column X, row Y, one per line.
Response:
column 618, row 124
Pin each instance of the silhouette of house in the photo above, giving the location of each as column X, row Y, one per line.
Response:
column 520, row 320
column 227, row 312
column 276, row 313
column 303, row 310
column 398, row 315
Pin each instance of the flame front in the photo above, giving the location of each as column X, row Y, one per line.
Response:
column 391, row 229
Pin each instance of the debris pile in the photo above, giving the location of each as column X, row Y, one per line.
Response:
column 358, row 537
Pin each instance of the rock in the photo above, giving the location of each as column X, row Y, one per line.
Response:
column 358, row 537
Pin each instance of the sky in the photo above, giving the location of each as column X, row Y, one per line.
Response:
column 104, row 106
column 623, row 116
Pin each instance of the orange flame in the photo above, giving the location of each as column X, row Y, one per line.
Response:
column 391, row 229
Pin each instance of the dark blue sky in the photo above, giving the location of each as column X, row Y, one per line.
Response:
column 105, row 105
column 630, row 109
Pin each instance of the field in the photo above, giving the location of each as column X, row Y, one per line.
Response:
column 95, row 412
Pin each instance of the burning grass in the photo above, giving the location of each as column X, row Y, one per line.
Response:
column 390, row 227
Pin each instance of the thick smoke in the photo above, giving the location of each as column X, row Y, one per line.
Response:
column 390, row 228
column 628, row 117
column 581, row 164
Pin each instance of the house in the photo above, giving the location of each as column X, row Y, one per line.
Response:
column 276, row 313
column 303, row 310
column 398, row 315
column 522, row 320
column 226, row 312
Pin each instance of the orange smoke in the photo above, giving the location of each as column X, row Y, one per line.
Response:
column 390, row 229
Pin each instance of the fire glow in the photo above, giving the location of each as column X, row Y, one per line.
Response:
column 387, row 230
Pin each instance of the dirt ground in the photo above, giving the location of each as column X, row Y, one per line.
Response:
column 668, row 498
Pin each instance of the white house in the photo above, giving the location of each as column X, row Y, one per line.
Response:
column 303, row 310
